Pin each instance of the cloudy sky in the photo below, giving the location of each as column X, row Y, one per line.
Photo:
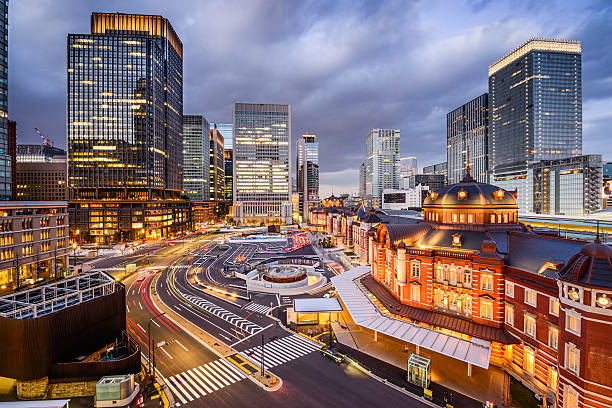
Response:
column 345, row 66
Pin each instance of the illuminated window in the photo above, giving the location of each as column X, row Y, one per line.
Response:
column 454, row 217
column 509, row 310
column 415, row 293
column 572, row 358
column 486, row 308
column 510, row 289
column 553, row 307
column 571, row 398
column 572, row 323
column 470, row 218
column 530, row 325
column 486, row 282
column 506, row 218
column 492, row 218
column 529, row 361
column 531, row 297
column 553, row 337
column 553, row 378
column 462, row 218
column 415, row 270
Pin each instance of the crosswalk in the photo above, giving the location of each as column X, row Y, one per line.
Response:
column 282, row 350
column 239, row 322
column 257, row 308
column 285, row 301
column 203, row 380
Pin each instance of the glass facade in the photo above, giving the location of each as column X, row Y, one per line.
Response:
column 216, row 178
column 196, row 146
column 226, row 130
column 5, row 157
column 382, row 164
column 307, row 173
column 468, row 127
column 535, row 107
column 229, row 174
column 261, row 148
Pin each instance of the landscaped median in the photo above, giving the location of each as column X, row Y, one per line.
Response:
column 267, row 380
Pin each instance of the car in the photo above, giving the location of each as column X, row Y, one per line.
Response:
column 140, row 278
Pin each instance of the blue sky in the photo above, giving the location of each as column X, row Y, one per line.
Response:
column 345, row 66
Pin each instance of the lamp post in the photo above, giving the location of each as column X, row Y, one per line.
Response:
column 74, row 247
column 151, row 343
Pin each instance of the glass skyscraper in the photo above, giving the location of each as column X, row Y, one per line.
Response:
column 125, row 124
column 382, row 164
column 196, row 157
column 535, row 110
column 226, row 130
column 468, row 127
column 216, row 166
column 262, row 183
column 5, row 157
column 307, row 173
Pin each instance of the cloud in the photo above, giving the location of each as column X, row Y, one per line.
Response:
column 345, row 66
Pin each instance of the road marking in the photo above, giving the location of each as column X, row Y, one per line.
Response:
column 127, row 306
column 155, row 323
column 165, row 352
column 257, row 308
column 177, row 384
column 140, row 304
column 282, row 350
column 179, row 343
column 138, row 324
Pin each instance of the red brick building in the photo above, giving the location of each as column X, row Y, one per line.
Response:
column 471, row 270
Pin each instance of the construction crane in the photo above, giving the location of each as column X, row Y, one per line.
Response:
column 45, row 141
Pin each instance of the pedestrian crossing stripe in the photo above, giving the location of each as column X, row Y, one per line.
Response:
column 200, row 381
column 242, row 363
column 282, row 350
column 256, row 307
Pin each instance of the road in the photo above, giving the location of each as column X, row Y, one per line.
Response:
column 199, row 377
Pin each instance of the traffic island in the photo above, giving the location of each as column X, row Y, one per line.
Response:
column 267, row 380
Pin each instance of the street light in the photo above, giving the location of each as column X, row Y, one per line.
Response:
column 151, row 343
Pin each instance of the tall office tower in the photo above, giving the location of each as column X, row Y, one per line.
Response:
column 6, row 178
column 262, row 177
column 12, row 151
column 382, row 164
column 226, row 130
column 216, row 166
column 467, row 128
column 362, row 181
column 307, row 173
column 535, row 107
column 196, row 157
column 408, row 167
column 125, row 125
column 41, row 173
column 229, row 174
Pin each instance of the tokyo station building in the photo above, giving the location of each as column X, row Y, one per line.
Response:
column 471, row 282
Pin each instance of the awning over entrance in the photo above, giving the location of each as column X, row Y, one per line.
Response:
column 366, row 314
column 316, row 305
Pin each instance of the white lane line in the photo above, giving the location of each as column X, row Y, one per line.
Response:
column 179, row 343
column 155, row 323
column 165, row 352
column 127, row 306
column 138, row 324
column 140, row 304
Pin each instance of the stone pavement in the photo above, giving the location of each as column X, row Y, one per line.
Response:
column 482, row 385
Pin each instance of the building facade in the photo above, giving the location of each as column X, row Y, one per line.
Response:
column 570, row 186
column 437, row 169
column 307, row 173
column 216, row 166
column 382, row 164
column 33, row 242
column 538, row 306
column 228, row 162
column 362, row 181
column 408, row 166
column 467, row 129
column 125, row 125
column 12, row 149
column 535, row 109
column 227, row 131
column 196, row 157
column 42, row 173
column 405, row 199
column 262, row 176
column 6, row 179
column 433, row 181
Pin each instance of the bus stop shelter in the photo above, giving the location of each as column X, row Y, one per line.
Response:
column 314, row 311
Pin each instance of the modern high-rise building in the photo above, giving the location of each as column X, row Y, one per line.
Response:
column 535, row 111
column 262, row 148
column 229, row 174
column 437, row 169
column 5, row 157
column 41, row 173
column 307, row 173
column 570, row 186
column 125, row 125
column 382, row 164
column 196, row 157
column 467, row 129
column 227, row 131
column 216, row 166
column 362, row 181
column 408, row 166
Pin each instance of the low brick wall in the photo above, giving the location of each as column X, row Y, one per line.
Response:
column 32, row 389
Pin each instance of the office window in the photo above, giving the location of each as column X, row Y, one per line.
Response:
column 529, row 360
column 492, row 218
column 462, row 218
column 572, row 323
column 571, row 398
column 553, row 336
column 510, row 289
column 530, row 325
column 486, row 282
column 509, row 310
column 553, row 378
column 415, row 270
column 471, row 218
column 531, row 297
column 454, row 217
column 572, row 358
column 415, row 293
column 553, row 307
column 486, row 308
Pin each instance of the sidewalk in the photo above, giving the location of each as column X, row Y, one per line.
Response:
column 447, row 374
